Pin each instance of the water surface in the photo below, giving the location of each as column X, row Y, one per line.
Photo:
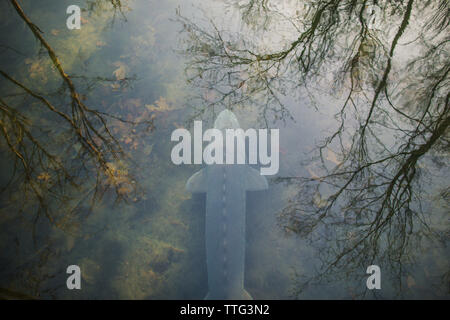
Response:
column 149, row 67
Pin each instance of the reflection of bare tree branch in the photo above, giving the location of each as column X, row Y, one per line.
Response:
column 238, row 76
column 83, row 127
column 367, row 204
column 97, row 144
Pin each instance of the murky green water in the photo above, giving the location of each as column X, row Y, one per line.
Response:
column 126, row 218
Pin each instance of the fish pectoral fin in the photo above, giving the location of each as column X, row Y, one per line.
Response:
column 197, row 182
column 254, row 181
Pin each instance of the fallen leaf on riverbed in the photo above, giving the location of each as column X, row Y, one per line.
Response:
column 318, row 201
column 314, row 176
column 161, row 105
column 125, row 189
column 44, row 176
column 127, row 140
column 134, row 102
column 100, row 43
column 177, row 125
column 115, row 86
column 210, row 95
column 410, row 282
column 148, row 149
column 331, row 156
column 120, row 72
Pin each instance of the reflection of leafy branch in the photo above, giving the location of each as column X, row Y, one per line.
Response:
column 368, row 204
column 89, row 126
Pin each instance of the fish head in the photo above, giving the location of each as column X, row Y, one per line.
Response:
column 226, row 120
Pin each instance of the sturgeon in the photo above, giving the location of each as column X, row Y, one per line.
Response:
column 225, row 186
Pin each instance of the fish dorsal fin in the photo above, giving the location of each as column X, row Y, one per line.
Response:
column 254, row 181
column 197, row 182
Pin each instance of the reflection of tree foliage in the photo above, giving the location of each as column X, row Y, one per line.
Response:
column 394, row 116
column 43, row 171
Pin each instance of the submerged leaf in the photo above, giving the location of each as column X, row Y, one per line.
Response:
column 44, row 176
column 121, row 70
column 318, row 201
column 331, row 156
column 410, row 281
column 148, row 149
